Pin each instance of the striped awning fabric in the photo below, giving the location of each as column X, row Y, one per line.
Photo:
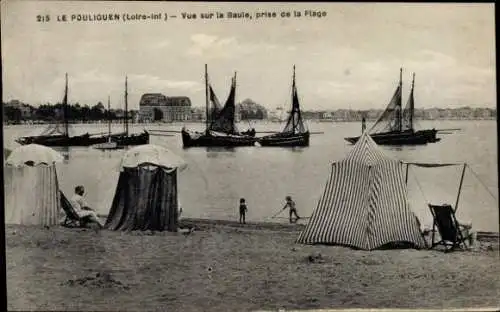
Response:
column 364, row 204
column 31, row 195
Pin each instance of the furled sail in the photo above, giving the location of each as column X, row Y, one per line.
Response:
column 294, row 123
column 56, row 129
column 61, row 128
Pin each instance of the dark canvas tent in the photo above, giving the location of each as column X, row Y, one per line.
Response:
column 146, row 194
column 364, row 204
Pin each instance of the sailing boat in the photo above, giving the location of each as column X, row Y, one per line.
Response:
column 54, row 136
column 217, row 107
column 126, row 139
column 110, row 144
column 294, row 133
column 221, row 130
column 394, row 128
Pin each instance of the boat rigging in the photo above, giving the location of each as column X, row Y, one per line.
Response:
column 220, row 127
column 295, row 133
column 396, row 127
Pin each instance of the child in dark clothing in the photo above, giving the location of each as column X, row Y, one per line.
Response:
column 243, row 210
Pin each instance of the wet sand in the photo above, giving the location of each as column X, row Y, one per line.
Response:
column 223, row 266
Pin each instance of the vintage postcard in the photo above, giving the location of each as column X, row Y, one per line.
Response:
column 238, row 156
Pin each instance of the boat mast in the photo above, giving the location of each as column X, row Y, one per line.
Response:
column 65, row 107
column 293, row 95
column 109, row 118
column 412, row 104
column 399, row 116
column 126, row 105
column 234, row 112
column 206, row 98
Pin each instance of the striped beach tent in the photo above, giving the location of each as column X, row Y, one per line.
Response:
column 364, row 204
column 31, row 186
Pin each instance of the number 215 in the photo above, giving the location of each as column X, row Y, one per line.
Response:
column 42, row 18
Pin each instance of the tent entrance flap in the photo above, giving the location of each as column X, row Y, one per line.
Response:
column 145, row 199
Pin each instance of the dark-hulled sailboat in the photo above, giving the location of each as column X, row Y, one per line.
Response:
column 127, row 139
column 53, row 135
column 221, row 130
column 395, row 127
column 294, row 133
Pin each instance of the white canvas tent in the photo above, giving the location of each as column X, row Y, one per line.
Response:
column 32, row 191
column 364, row 204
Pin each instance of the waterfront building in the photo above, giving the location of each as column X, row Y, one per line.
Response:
column 158, row 107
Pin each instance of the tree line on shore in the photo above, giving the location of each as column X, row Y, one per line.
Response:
column 16, row 111
column 52, row 112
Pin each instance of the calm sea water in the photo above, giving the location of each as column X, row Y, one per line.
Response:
column 216, row 178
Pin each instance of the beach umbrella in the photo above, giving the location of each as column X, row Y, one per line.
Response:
column 153, row 155
column 38, row 154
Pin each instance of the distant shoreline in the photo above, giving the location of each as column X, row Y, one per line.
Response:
column 100, row 122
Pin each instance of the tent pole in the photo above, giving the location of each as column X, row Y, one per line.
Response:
column 407, row 167
column 460, row 187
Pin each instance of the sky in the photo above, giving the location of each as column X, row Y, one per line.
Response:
column 349, row 58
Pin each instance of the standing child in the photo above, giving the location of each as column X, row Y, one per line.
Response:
column 243, row 210
column 293, row 210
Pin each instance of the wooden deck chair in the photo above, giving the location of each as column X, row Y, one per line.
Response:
column 453, row 234
column 72, row 219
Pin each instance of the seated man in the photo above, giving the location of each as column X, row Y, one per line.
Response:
column 81, row 207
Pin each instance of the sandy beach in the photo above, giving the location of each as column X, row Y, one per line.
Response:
column 223, row 266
